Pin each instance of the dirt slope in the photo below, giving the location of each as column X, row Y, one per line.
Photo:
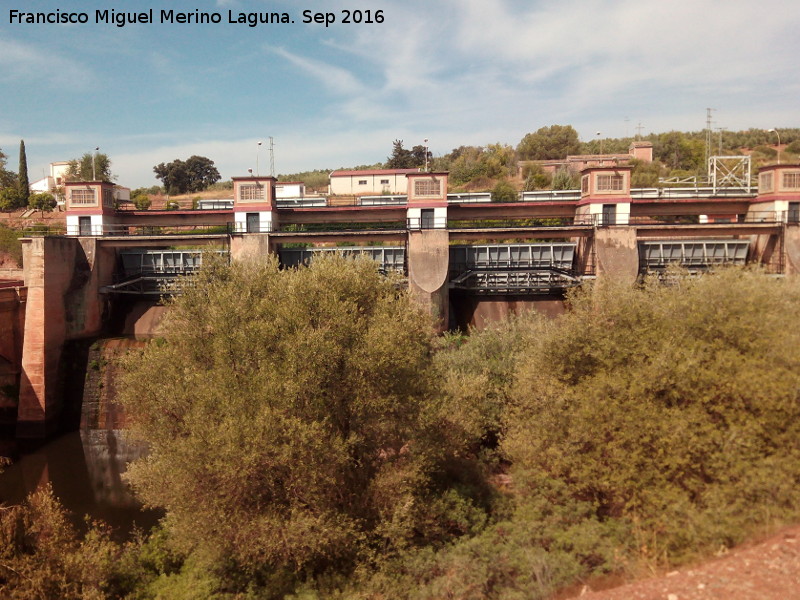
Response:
column 768, row 570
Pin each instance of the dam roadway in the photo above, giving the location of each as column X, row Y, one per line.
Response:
column 452, row 250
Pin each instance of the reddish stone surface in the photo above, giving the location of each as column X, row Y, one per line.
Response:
column 767, row 570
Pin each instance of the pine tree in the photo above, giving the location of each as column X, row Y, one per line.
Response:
column 22, row 179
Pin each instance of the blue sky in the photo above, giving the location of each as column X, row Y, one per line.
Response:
column 454, row 71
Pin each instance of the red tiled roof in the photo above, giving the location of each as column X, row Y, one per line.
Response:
column 373, row 172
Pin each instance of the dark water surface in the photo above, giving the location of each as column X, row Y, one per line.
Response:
column 85, row 467
column 85, row 471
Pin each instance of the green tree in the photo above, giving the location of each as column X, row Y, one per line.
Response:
column 42, row 201
column 503, row 191
column 419, row 153
column 565, row 180
column 202, row 173
column 556, row 141
column 10, row 198
column 794, row 147
column 679, row 151
column 22, row 177
column 90, row 167
column 400, row 158
column 536, row 178
column 192, row 175
column 645, row 174
column 7, row 178
column 475, row 164
column 292, row 422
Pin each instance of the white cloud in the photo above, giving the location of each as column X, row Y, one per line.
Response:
column 22, row 62
column 336, row 79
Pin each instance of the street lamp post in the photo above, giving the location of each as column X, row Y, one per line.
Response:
column 776, row 132
column 258, row 151
column 426, row 154
column 94, row 160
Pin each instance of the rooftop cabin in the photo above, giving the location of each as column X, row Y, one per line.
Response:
column 253, row 203
column 779, row 191
column 90, row 207
column 606, row 194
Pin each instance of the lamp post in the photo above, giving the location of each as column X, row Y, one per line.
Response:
column 425, row 141
column 258, row 150
column 776, row 132
column 601, row 143
column 94, row 160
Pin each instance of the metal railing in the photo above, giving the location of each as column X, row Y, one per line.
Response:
column 342, row 201
column 343, row 227
column 419, row 223
column 752, row 217
column 674, row 193
column 117, row 229
column 550, row 196
column 521, row 223
column 311, row 202
column 469, row 197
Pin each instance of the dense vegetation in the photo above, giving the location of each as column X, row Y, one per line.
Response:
column 311, row 439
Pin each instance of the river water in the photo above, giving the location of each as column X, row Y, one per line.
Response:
column 85, row 467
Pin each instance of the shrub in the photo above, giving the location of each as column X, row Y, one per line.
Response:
column 293, row 424
column 672, row 410
column 503, row 191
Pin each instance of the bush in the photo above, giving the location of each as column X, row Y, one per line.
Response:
column 11, row 198
column 672, row 410
column 503, row 191
column 794, row 147
column 141, row 201
column 10, row 244
column 536, row 178
column 293, row 424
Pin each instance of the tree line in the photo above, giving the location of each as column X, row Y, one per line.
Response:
column 494, row 167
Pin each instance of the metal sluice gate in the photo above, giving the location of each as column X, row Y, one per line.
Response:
column 694, row 255
column 513, row 268
column 389, row 258
column 157, row 272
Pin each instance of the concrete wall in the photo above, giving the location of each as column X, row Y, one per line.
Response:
column 616, row 252
column 12, row 324
column 251, row 245
column 63, row 276
column 792, row 249
column 428, row 265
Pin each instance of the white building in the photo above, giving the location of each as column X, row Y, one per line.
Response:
column 290, row 189
column 55, row 179
column 370, row 182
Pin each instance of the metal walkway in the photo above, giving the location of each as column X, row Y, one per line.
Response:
column 513, row 268
column 694, row 255
column 157, row 272
column 389, row 258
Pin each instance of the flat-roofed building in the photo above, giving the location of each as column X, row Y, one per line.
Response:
column 370, row 181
